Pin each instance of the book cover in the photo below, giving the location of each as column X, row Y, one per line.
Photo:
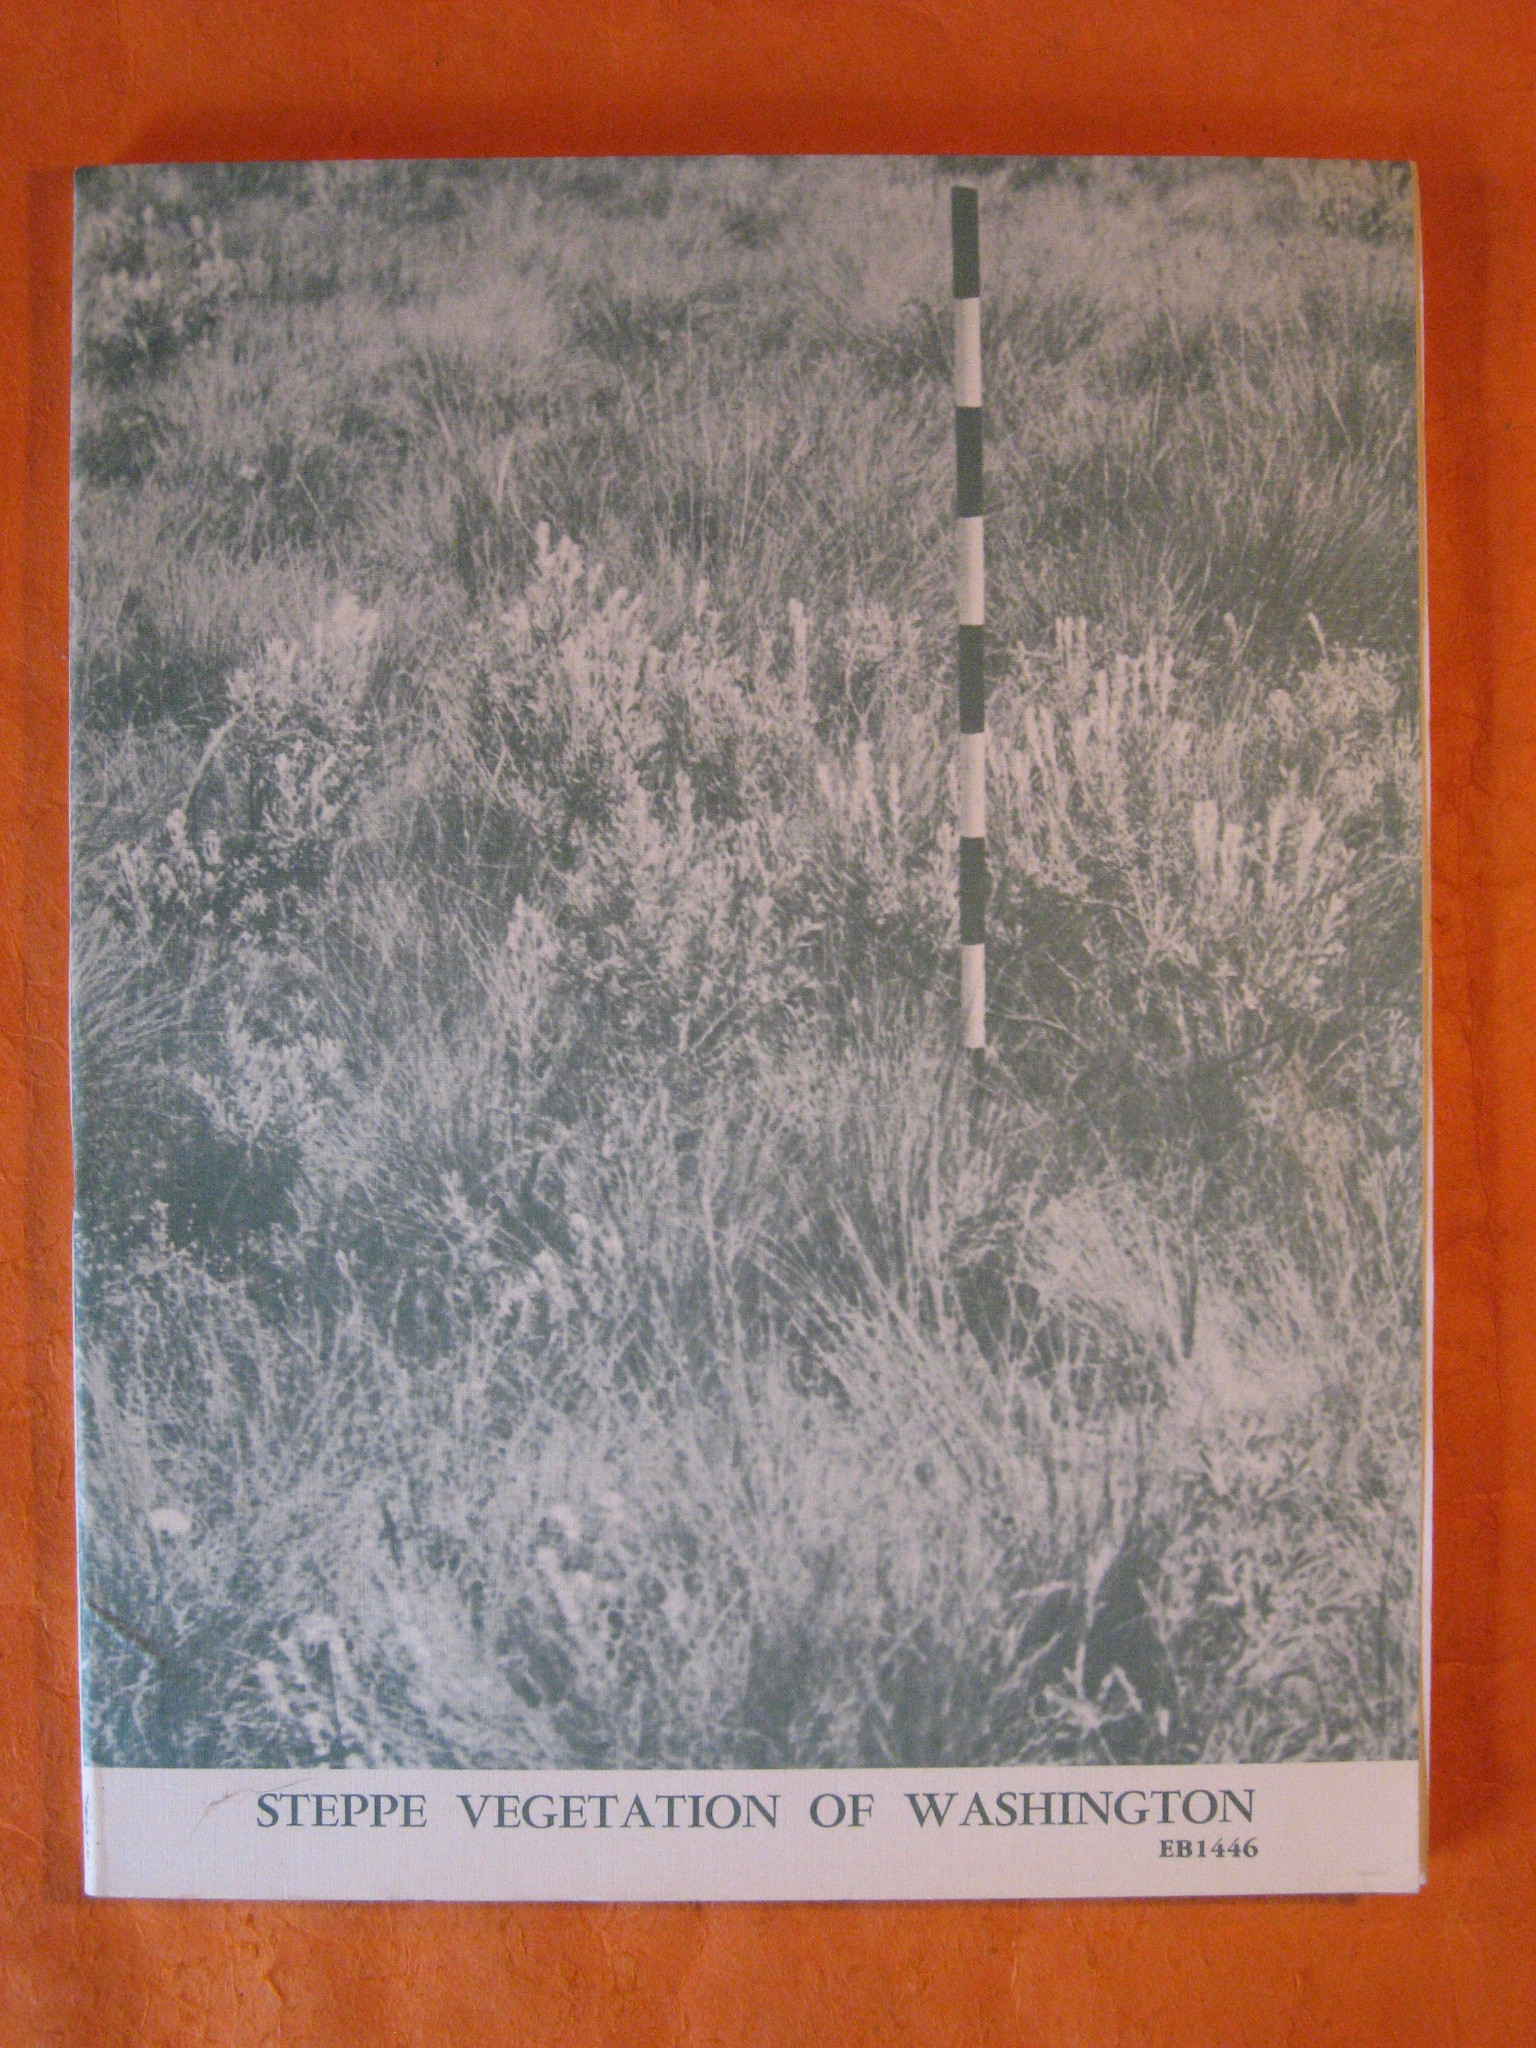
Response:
column 748, row 1028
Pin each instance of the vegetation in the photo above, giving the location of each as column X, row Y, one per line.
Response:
column 548, row 1288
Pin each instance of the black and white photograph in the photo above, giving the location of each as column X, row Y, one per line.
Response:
column 747, row 972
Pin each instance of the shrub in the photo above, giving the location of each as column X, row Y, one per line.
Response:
column 549, row 1288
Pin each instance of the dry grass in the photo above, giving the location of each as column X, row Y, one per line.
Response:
column 546, row 1291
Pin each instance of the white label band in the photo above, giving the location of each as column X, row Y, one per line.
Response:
column 925, row 1832
column 970, row 572
column 973, row 785
column 973, row 996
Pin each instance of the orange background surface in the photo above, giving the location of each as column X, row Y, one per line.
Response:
column 1453, row 88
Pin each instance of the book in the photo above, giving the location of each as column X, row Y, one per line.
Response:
column 748, row 1028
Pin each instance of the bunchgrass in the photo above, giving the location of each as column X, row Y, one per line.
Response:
column 549, row 1288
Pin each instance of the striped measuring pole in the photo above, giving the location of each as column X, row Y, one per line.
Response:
column 970, row 580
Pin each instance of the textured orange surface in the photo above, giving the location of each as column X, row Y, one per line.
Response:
column 1454, row 88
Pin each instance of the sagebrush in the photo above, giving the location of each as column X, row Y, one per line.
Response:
column 547, row 1286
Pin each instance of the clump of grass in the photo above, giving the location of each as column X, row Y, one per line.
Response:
column 546, row 1290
